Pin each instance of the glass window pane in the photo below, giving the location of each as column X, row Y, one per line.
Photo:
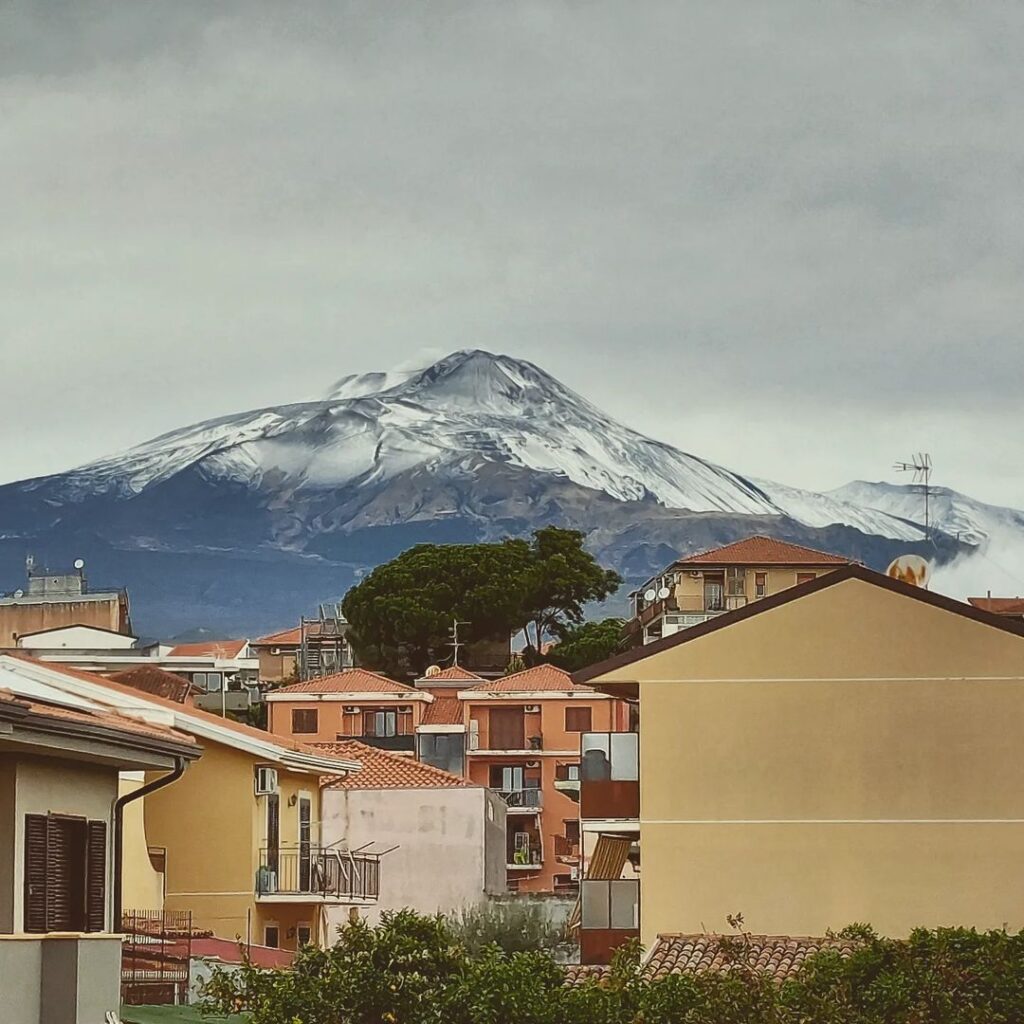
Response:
column 625, row 761
column 594, row 760
column 594, row 896
column 624, row 907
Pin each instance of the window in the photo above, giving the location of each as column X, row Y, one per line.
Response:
column 65, row 874
column 805, row 577
column 567, row 772
column 760, row 584
column 509, row 779
column 273, row 830
column 578, row 719
column 442, row 750
column 571, row 828
column 611, row 756
column 305, row 720
column 211, row 682
column 380, row 723
column 272, row 936
column 610, row 904
column 305, row 934
column 506, row 729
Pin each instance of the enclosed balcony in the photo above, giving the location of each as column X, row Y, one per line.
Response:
column 610, row 775
column 306, row 874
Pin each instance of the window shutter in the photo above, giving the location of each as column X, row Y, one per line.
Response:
column 96, row 877
column 35, row 872
column 58, row 876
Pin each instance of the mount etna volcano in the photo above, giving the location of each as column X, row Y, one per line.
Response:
column 244, row 522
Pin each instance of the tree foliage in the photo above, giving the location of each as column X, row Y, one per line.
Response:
column 401, row 614
column 413, row 970
column 587, row 644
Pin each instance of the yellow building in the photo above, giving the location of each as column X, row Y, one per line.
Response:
column 236, row 841
column 847, row 750
column 705, row 585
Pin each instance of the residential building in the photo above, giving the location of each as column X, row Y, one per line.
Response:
column 699, row 587
column 441, row 836
column 354, row 704
column 1012, row 607
column 842, row 751
column 60, row 954
column 237, row 840
column 50, row 600
column 523, row 740
column 315, row 648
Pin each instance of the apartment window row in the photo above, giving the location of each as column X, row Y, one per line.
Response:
column 65, row 874
column 397, row 722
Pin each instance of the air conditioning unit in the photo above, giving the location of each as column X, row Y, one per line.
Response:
column 533, row 764
column 574, row 874
column 266, row 781
column 532, row 709
column 351, row 709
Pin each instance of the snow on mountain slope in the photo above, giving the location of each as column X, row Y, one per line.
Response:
column 467, row 409
column 954, row 513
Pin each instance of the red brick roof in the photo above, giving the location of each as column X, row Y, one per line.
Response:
column 284, row 638
column 999, row 605
column 761, row 550
column 778, row 956
column 536, row 679
column 443, row 711
column 453, row 672
column 381, row 770
column 209, row 649
column 351, row 680
column 150, row 679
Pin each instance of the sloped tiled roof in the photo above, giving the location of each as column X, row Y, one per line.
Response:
column 153, row 680
column 443, row 711
column 761, row 550
column 351, row 680
column 999, row 605
column 577, row 974
column 209, row 649
column 536, row 679
column 381, row 770
column 454, row 673
column 778, row 956
column 285, row 637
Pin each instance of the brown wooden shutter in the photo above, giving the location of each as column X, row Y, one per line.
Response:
column 65, row 874
column 35, row 872
column 507, row 729
column 96, row 877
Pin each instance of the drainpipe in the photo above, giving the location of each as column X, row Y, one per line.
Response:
column 119, row 806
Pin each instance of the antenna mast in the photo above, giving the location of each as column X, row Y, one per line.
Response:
column 456, row 644
column 921, row 466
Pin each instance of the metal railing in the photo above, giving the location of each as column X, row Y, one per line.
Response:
column 324, row 872
column 528, row 799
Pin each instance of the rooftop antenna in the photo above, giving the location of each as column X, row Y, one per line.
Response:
column 456, row 644
column 921, row 466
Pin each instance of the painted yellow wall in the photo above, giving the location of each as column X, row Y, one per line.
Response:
column 142, row 887
column 689, row 590
column 213, row 827
column 853, row 755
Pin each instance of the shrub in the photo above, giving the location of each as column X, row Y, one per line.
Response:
column 517, row 927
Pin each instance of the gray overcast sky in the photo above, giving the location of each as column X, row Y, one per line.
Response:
column 785, row 236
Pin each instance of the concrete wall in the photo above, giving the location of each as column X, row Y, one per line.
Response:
column 441, row 836
column 16, row 619
column 495, row 824
column 853, row 755
column 79, row 638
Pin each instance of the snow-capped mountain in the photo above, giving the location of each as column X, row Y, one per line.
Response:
column 475, row 446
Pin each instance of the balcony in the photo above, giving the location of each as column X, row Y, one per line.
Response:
column 610, row 776
column 523, row 801
column 567, row 850
column 319, row 874
column 524, row 851
column 609, row 917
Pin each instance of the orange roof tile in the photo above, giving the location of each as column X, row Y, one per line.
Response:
column 443, row 711
column 999, row 605
column 284, row 638
column 381, row 770
column 153, row 680
column 351, row 680
column 453, row 672
column 761, row 550
column 536, row 679
column 209, row 649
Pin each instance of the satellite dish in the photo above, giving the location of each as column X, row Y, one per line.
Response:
column 432, row 670
column 912, row 569
column 19, row 593
column 79, row 563
column 650, row 595
column 664, row 593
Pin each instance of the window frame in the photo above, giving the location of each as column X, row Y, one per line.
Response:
column 304, row 712
column 574, row 713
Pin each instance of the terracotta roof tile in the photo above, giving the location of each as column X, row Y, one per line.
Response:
column 452, row 673
column 761, row 550
column 536, row 679
column 284, row 638
column 443, row 711
column 999, row 605
column 150, row 679
column 577, row 974
column 351, row 680
column 779, row 956
column 209, row 649
column 381, row 770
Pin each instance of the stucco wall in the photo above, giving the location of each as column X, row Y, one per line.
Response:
column 7, row 848
column 16, row 619
column 439, row 863
column 849, row 756
column 141, row 885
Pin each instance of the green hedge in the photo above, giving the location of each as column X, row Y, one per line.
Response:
column 412, row 970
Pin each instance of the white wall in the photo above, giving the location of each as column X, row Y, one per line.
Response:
column 76, row 638
column 440, row 835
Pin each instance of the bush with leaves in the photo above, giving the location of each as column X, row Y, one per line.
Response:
column 514, row 927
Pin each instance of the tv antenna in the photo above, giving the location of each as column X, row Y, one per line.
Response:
column 921, row 466
column 455, row 643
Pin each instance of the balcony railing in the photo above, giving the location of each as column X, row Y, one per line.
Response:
column 529, row 799
column 319, row 873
